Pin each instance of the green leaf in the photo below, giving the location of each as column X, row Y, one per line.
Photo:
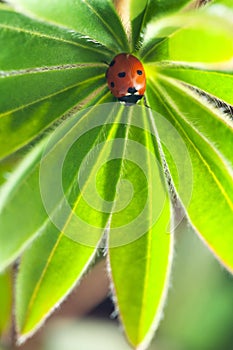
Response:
column 200, row 36
column 48, row 271
column 95, row 19
column 40, row 280
column 54, row 82
column 137, row 13
column 20, row 202
column 94, row 147
column 216, row 44
column 48, row 63
column 28, row 44
column 207, row 138
column 216, row 83
column 140, row 277
column 140, row 247
column 142, row 12
column 21, row 195
column 5, row 301
column 18, row 192
column 6, row 167
column 227, row 3
column 46, row 97
column 156, row 9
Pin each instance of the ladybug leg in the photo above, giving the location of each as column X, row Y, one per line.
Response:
column 145, row 102
column 109, row 64
column 105, row 62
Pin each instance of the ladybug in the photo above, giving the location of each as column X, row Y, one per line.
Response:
column 126, row 78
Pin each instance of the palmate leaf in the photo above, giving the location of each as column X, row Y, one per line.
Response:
column 29, row 43
column 95, row 19
column 140, row 269
column 87, row 189
column 117, row 140
column 142, row 12
column 216, row 83
column 35, row 112
column 204, row 129
column 208, row 140
column 45, row 71
column 40, row 279
column 22, row 191
column 189, row 37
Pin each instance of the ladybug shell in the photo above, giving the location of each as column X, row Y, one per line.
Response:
column 126, row 78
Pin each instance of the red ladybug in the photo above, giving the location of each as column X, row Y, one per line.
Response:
column 126, row 78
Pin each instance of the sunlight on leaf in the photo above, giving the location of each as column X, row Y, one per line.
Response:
column 191, row 37
column 211, row 160
column 75, row 17
column 216, row 83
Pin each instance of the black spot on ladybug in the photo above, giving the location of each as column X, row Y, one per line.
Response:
column 112, row 84
column 139, row 72
column 131, row 90
column 121, row 74
column 112, row 63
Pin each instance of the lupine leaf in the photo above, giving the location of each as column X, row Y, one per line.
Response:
column 208, row 141
column 48, row 271
column 216, row 83
column 43, row 76
column 94, row 19
column 5, row 301
column 190, row 37
column 140, row 244
column 142, row 12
